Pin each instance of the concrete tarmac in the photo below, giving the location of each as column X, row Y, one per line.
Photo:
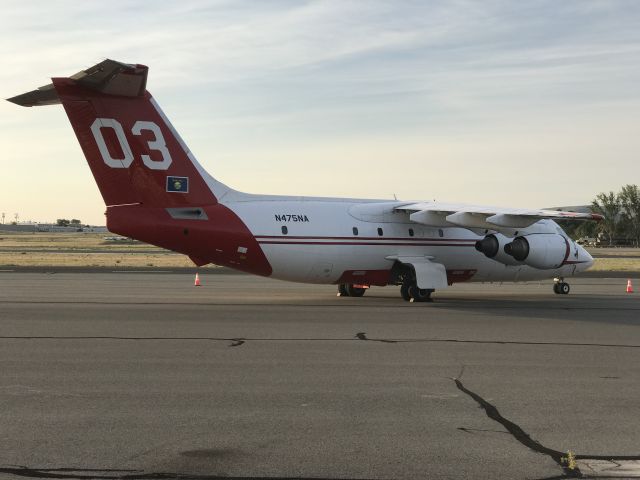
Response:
column 142, row 375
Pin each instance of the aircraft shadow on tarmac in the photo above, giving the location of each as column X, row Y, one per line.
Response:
column 592, row 308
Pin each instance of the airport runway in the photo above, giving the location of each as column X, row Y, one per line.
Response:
column 138, row 375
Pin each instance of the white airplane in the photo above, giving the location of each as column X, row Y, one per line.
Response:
column 157, row 192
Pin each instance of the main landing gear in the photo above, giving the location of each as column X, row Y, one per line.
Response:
column 405, row 276
column 351, row 290
column 560, row 287
column 410, row 292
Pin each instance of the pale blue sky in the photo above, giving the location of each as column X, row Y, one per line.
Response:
column 512, row 103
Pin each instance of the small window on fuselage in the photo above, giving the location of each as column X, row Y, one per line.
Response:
column 380, row 233
column 355, row 230
column 440, row 232
column 285, row 230
column 411, row 232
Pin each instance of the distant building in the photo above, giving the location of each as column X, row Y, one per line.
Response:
column 28, row 228
column 52, row 228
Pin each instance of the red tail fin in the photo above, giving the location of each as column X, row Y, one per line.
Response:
column 145, row 172
column 135, row 154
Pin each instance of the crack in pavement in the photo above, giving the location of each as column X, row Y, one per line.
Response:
column 360, row 336
column 515, row 430
column 363, row 336
column 114, row 474
column 525, row 439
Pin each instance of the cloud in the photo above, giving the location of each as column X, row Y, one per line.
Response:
column 250, row 79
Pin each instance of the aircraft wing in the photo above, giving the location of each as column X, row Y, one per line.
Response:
column 435, row 214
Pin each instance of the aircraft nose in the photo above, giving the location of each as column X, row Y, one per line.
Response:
column 585, row 258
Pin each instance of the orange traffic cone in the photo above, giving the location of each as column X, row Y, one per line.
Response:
column 197, row 282
column 629, row 286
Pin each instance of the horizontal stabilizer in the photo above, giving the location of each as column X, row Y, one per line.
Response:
column 108, row 77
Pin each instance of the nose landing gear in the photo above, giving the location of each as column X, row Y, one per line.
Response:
column 560, row 287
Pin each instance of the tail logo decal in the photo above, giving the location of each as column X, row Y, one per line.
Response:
column 158, row 144
column 178, row 184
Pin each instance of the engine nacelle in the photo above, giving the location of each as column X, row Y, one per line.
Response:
column 493, row 247
column 539, row 250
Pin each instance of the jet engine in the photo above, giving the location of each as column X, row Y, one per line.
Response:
column 539, row 250
column 493, row 247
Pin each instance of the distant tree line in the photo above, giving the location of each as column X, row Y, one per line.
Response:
column 63, row 222
column 621, row 224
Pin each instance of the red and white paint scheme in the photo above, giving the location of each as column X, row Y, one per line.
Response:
column 156, row 192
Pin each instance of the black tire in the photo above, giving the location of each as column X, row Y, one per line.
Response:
column 556, row 288
column 404, row 292
column 342, row 290
column 564, row 288
column 419, row 295
column 353, row 291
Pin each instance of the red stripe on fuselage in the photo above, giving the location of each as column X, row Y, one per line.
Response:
column 366, row 243
column 404, row 239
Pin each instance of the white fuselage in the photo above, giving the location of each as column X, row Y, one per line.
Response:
column 316, row 240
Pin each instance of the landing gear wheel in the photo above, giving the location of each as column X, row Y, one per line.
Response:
column 561, row 288
column 419, row 294
column 354, row 291
column 342, row 290
column 404, row 292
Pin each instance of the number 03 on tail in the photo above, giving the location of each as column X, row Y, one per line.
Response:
column 157, row 192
